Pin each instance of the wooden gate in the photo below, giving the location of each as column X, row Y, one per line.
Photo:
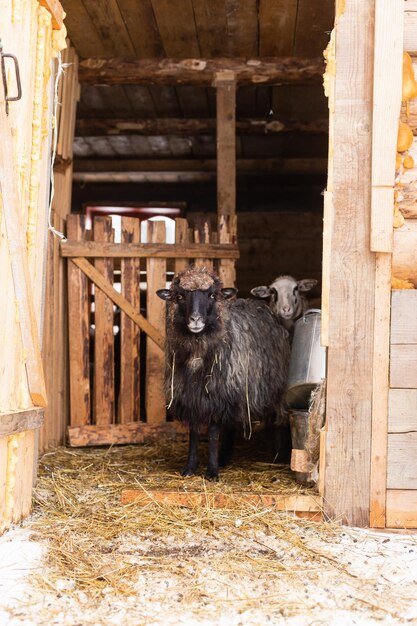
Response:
column 117, row 322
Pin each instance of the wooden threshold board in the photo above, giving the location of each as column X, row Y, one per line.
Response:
column 118, row 434
column 303, row 505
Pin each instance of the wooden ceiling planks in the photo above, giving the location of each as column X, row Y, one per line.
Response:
column 177, row 27
column 83, row 34
column 242, row 28
column 110, row 25
column 277, row 20
column 312, row 30
column 211, row 24
column 141, row 25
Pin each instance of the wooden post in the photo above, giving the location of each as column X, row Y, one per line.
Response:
column 352, row 273
column 155, row 360
column 181, row 237
column 202, row 234
column 129, row 394
column 78, row 331
column 388, row 59
column 104, row 410
column 225, row 83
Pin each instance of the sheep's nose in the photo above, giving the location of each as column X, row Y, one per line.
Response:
column 195, row 317
column 286, row 309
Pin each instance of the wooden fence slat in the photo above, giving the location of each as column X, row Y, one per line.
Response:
column 97, row 278
column 78, row 331
column 104, row 410
column 145, row 250
column 403, row 318
column 118, row 434
column 129, row 393
column 155, row 360
column 181, row 239
column 202, row 235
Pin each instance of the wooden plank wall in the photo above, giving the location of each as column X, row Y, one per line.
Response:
column 55, row 327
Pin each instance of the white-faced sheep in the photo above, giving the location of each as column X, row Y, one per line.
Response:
column 285, row 299
column 226, row 362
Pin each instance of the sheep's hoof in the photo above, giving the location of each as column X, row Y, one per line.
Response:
column 188, row 471
column 212, row 475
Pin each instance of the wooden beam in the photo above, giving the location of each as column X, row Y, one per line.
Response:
column 352, row 274
column 225, row 84
column 118, row 434
column 146, row 250
column 99, row 280
column 97, row 127
column 276, row 166
column 55, row 9
column 289, row 503
column 20, row 421
column 201, row 72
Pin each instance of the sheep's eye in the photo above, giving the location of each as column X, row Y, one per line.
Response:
column 212, row 296
column 180, row 297
column 294, row 291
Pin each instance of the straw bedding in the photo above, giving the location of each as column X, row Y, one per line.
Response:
column 156, row 564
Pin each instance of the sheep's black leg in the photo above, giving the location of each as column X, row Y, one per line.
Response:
column 192, row 462
column 213, row 451
column 227, row 445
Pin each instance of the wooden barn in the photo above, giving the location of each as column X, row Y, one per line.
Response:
column 256, row 137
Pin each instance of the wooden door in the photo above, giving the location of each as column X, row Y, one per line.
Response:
column 25, row 116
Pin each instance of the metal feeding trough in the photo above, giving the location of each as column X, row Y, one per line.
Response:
column 308, row 360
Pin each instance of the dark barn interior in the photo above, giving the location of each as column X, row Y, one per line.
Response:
column 153, row 144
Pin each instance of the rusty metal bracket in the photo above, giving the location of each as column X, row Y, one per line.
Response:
column 7, row 98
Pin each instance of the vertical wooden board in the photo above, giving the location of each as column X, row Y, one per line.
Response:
column 181, row 237
column 226, row 143
column 402, row 412
column 352, row 274
column 202, row 234
column 402, row 461
column 155, row 358
column 382, row 218
column 129, row 393
column 403, row 366
column 22, row 493
column 380, row 389
column 403, row 317
column 227, row 233
column 78, row 331
column 410, row 32
column 402, row 508
column 387, row 84
column 276, row 27
column 3, row 478
column 104, row 409
column 326, row 256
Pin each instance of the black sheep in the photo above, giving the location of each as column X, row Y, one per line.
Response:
column 226, row 362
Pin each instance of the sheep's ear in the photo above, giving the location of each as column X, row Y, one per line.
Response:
column 229, row 292
column 164, row 294
column 306, row 284
column 261, row 292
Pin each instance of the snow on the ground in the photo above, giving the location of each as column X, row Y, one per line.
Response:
column 364, row 578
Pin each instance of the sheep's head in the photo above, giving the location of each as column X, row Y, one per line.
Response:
column 283, row 295
column 196, row 297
